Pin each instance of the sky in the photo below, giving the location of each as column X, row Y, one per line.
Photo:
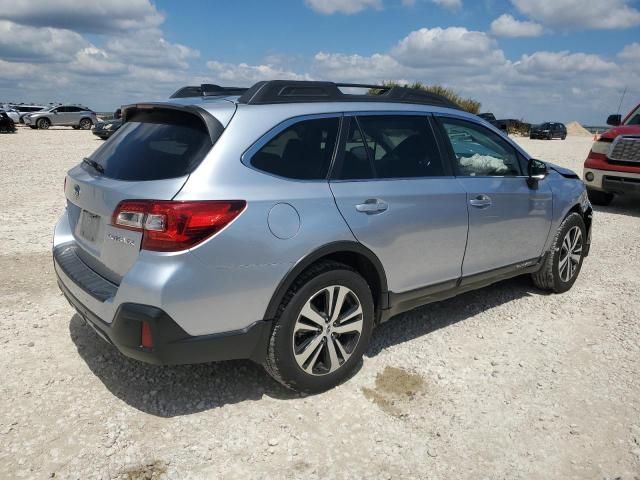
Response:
column 537, row 60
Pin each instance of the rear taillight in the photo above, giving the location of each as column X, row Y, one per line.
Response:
column 169, row 226
column 146, row 338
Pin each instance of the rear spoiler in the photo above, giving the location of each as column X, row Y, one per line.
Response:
column 212, row 124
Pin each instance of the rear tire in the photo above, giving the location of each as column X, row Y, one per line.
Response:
column 322, row 328
column 85, row 124
column 43, row 124
column 598, row 197
column 564, row 261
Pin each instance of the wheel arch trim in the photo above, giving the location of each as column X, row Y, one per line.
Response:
column 349, row 247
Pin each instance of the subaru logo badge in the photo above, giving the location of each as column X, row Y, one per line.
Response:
column 76, row 191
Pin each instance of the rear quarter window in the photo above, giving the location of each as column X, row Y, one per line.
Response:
column 302, row 151
column 155, row 146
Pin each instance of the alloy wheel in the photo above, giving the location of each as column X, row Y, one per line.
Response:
column 570, row 254
column 327, row 330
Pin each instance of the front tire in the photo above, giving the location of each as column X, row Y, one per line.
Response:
column 322, row 328
column 43, row 123
column 598, row 197
column 564, row 261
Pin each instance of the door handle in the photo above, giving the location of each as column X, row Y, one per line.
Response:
column 481, row 201
column 372, row 205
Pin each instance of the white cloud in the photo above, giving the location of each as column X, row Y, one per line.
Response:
column 452, row 46
column 449, row 4
column 355, row 68
column 15, row 70
column 596, row 14
column 243, row 74
column 631, row 53
column 92, row 61
column 563, row 64
column 507, row 26
column 18, row 42
column 88, row 16
column 149, row 48
column 348, row 7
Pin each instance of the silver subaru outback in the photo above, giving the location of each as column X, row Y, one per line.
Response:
column 283, row 224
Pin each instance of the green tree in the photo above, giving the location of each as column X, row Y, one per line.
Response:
column 468, row 104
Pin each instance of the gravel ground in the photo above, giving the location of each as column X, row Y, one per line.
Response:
column 502, row 383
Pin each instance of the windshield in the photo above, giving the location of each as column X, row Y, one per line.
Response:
column 634, row 118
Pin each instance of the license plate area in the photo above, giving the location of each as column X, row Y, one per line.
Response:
column 89, row 226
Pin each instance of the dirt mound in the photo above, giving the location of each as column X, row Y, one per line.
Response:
column 574, row 128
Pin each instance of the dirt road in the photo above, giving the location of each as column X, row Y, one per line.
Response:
column 505, row 382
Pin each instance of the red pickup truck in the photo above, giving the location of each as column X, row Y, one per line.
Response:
column 613, row 164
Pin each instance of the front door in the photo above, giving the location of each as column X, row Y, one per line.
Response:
column 400, row 199
column 508, row 221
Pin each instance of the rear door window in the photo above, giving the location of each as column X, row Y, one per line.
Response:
column 302, row 151
column 398, row 146
column 154, row 145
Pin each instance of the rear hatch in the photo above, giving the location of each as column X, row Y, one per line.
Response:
column 150, row 157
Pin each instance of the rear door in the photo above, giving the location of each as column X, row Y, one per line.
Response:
column 149, row 157
column 73, row 115
column 400, row 198
column 508, row 221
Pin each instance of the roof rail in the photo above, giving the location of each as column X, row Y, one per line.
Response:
column 302, row 91
column 207, row 90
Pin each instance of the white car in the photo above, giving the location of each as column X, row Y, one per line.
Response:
column 11, row 113
column 24, row 110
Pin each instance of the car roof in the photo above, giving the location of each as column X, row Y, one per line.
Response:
column 285, row 99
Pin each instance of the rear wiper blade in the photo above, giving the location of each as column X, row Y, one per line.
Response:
column 92, row 163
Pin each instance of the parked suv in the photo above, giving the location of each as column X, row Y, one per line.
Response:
column 75, row 116
column 284, row 224
column 613, row 164
column 549, row 131
column 27, row 109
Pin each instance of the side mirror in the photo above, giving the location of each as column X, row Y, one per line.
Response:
column 536, row 170
column 614, row 120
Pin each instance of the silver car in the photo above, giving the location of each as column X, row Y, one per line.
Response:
column 284, row 224
column 25, row 110
column 75, row 116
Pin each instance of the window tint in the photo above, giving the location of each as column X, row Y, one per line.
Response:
column 479, row 151
column 302, row 151
column 355, row 162
column 401, row 146
column 74, row 109
column 154, row 146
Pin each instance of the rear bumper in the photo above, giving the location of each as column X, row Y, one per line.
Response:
column 102, row 133
column 171, row 344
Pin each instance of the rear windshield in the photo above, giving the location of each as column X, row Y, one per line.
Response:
column 154, row 145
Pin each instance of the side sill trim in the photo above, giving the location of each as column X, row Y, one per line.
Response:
column 405, row 301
